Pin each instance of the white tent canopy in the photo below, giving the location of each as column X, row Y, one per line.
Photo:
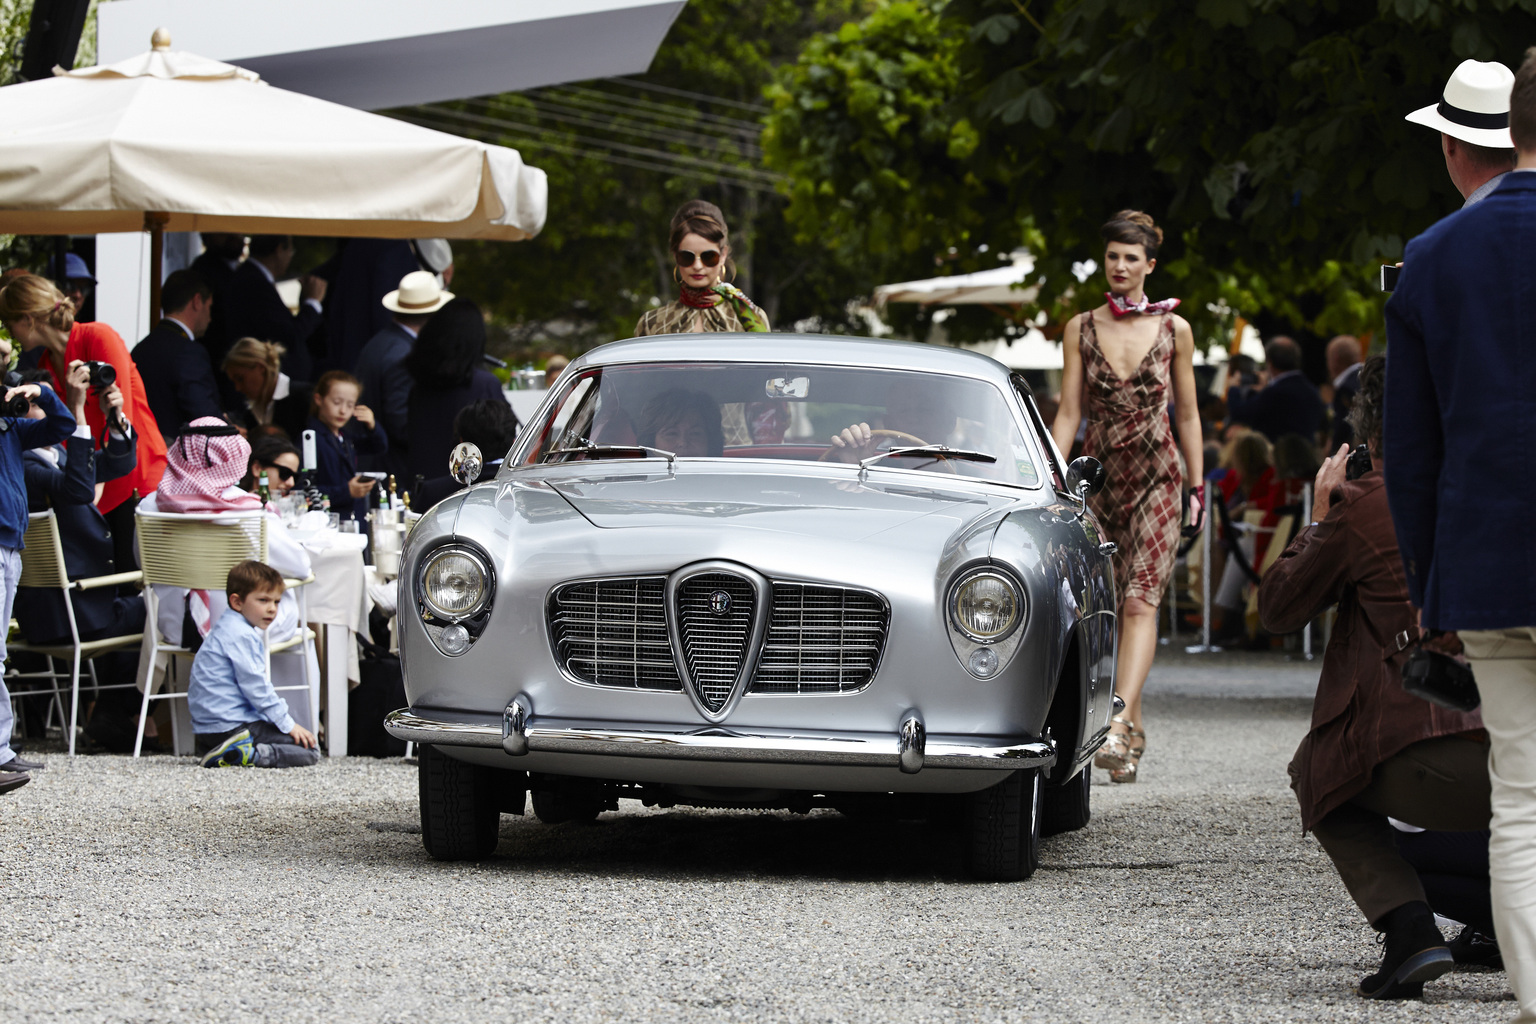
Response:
column 1001, row 286
column 206, row 146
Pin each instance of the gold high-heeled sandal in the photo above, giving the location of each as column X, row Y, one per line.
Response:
column 1116, row 748
column 1127, row 771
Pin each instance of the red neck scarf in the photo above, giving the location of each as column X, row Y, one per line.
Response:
column 1118, row 307
column 699, row 298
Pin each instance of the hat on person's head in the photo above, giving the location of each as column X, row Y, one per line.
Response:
column 75, row 268
column 435, row 254
column 418, row 294
column 1474, row 107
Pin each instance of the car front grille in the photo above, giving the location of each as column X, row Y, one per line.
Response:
column 614, row 633
column 820, row 639
column 716, row 632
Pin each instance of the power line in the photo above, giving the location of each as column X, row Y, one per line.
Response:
column 519, row 126
column 759, row 108
column 660, row 111
column 549, row 110
column 725, row 172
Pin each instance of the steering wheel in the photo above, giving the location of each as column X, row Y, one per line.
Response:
column 902, row 435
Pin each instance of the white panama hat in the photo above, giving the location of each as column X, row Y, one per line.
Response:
column 418, row 294
column 1474, row 107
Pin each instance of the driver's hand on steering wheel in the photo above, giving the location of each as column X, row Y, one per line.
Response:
column 853, row 443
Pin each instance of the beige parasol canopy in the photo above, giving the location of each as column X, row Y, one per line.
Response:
column 173, row 141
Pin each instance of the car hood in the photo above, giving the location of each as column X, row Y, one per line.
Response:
column 820, row 503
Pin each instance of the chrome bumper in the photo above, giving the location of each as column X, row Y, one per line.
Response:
column 908, row 747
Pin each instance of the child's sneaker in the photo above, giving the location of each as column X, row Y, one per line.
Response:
column 238, row 751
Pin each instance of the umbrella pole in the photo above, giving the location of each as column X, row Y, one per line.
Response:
column 155, row 223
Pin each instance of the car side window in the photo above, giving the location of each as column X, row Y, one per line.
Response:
column 1053, row 455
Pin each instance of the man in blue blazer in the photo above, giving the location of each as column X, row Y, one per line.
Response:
column 1460, row 466
column 178, row 378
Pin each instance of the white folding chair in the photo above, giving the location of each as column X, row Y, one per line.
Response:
column 42, row 568
column 195, row 551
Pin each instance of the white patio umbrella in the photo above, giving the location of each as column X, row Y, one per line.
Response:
column 997, row 287
column 170, row 141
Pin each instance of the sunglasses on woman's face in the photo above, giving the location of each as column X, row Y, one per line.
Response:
column 711, row 258
column 283, row 472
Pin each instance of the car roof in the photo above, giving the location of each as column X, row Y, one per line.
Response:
column 835, row 349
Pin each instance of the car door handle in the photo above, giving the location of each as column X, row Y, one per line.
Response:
column 1109, row 547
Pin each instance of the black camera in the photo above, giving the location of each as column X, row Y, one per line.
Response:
column 103, row 375
column 1358, row 463
column 19, row 405
column 1441, row 679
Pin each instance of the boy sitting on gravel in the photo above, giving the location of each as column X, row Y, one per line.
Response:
column 238, row 719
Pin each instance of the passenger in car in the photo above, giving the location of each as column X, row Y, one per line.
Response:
column 683, row 422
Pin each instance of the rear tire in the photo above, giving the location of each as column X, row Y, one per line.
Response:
column 460, row 807
column 1067, row 808
column 1003, row 829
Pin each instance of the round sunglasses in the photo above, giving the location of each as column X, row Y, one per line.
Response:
column 710, row 258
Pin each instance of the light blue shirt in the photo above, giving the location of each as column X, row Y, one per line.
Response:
column 230, row 686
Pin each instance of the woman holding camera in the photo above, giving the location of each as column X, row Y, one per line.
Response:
column 1124, row 360
column 38, row 315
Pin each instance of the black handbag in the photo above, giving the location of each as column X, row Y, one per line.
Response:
column 1439, row 678
column 380, row 690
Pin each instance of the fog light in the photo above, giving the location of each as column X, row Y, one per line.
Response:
column 455, row 641
column 982, row 663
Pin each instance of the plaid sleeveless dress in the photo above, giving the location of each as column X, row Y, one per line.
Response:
column 1130, row 432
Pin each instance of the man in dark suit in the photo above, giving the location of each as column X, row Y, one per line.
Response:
column 219, row 259
column 489, row 425
column 1344, row 368
column 249, row 306
column 381, row 366
column 178, row 379
column 1461, row 330
column 1287, row 403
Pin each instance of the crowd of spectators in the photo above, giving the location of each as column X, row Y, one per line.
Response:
column 380, row 360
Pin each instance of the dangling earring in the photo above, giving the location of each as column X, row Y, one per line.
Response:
column 676, row 276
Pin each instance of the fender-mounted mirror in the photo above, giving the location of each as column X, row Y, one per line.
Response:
column 1085, row 476
column 465, row 463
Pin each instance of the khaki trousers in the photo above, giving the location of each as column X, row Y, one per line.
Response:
column 1439, row 784
column 1504, row 662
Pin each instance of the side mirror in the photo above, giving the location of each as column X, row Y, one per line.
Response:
column 465, row 463
column 1085, row 476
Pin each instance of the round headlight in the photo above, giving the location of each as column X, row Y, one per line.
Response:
column 454, row 584
column 986, row 606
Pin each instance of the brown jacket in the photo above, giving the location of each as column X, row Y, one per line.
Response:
column 1361, row 715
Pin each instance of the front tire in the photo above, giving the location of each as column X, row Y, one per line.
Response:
column 460, row 807
column 1067, row 808
column 1003, row 829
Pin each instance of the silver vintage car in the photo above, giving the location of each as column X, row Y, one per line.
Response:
column 680, row 588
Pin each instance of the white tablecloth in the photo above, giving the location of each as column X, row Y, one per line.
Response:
column 339, row 595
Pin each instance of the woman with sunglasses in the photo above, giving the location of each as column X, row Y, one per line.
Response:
column 274, row 459
column 701, row 251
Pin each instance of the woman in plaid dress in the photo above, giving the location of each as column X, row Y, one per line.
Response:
column 701, row 248
column 1122, row 361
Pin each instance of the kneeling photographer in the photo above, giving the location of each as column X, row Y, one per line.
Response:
column 1374, row 750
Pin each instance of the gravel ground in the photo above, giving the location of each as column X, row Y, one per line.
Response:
column 154, row 891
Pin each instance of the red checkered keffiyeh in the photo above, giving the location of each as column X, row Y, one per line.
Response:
column 200, row 469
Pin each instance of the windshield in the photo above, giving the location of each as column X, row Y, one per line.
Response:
column 779, row 411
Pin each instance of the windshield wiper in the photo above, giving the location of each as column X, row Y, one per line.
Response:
column 937, row 451
column 585, row 447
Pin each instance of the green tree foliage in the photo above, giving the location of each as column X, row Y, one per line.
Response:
column 622, row 155
column 1266, row 135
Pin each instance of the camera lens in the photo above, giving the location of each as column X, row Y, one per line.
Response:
column 103, row 375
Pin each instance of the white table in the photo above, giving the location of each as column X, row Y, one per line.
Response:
column 338, row 606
